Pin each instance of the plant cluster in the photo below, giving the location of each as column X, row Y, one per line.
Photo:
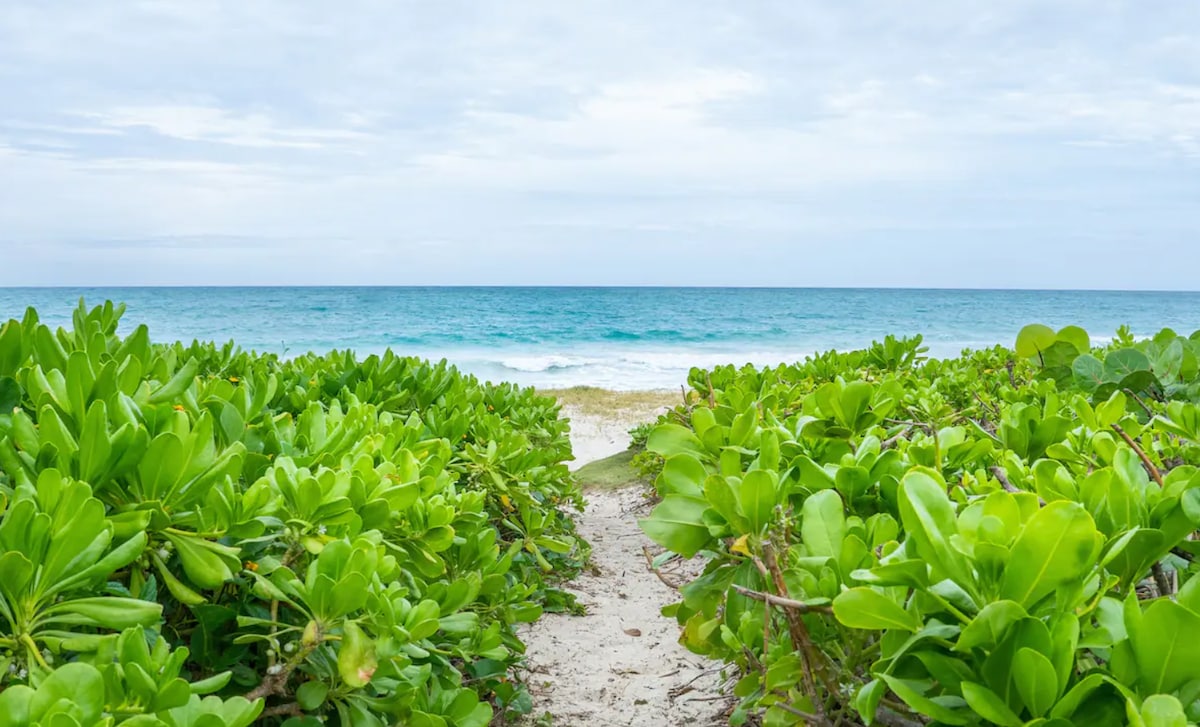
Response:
column 197, row 536
column 999, row 538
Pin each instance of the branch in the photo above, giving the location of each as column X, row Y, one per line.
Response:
column 650, row 567
column 999, row 473
column 1161, row 582
column 1145, row 460
column 276, row 683
column 809, row 659
column 782, row 602
column 1138, row 399
column 891, row 441
column 808, row 718
column 888, row 718
column 283, row 710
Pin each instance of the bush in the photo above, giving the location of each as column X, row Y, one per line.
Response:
column 1001, row 538
column 322, row 537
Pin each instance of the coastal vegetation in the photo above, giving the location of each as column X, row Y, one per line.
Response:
column 192, row 535
column 1001, row 538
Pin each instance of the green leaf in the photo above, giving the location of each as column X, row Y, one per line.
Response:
column 311, row 695
column 866, row 702
column 1077, row 337
column 1162, row 647
column 1034, row 339
column 1057, row 545
column 10, row 395
column 77, row 683
column 990, row 626
column 677, row 524
column 1036, row 680
column 1123, row 362
column 757, row 497
column 866, row 608
column 108, row 612
column 356, row 656
column 671, row 439
column 823, row 524
column 1088, row 372
column 1163, row 710
column 682, row 474
column 913, row 696
column 929, row 520
column 988, row 705
column 178, row 383
column 207, row 564
column 854, row 401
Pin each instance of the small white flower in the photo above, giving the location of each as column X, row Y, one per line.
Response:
column 22, row 674
column 320, row 530
column 274, row 669
column 289, row 647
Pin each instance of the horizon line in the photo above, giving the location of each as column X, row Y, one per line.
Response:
column 547, row 286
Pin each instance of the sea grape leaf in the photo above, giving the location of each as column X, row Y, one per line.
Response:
column 1077, row 337
column 1088, row 372
column 1139, row 381
column 1122, row 362
column 1033, row 339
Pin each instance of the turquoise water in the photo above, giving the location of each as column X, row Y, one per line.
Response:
column 625, row 338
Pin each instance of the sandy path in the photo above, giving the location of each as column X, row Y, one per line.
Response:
column 621, row 664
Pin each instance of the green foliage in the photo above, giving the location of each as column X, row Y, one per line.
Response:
column 1000, row 538
column 193, row 535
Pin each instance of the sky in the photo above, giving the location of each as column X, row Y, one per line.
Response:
column 945, row 143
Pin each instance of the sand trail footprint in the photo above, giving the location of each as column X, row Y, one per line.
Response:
column 621, row 664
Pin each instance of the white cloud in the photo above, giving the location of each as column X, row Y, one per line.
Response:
column 619, row 126
column 221, row 126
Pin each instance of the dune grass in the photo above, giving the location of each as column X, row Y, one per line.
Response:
column 611, row 473
column 594, row 400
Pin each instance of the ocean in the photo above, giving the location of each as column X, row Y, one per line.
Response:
column 621, row 338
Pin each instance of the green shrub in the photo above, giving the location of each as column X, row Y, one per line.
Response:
column 1000, row 538
column 321, row 537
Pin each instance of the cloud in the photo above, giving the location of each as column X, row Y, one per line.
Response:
column 523, row 139
column 221, row 126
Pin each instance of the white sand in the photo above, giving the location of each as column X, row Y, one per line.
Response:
column 621, row 664
column 595, row 437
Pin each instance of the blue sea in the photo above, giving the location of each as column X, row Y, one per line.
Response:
column 623, row 338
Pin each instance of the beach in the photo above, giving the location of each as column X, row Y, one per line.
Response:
column 621, row 664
